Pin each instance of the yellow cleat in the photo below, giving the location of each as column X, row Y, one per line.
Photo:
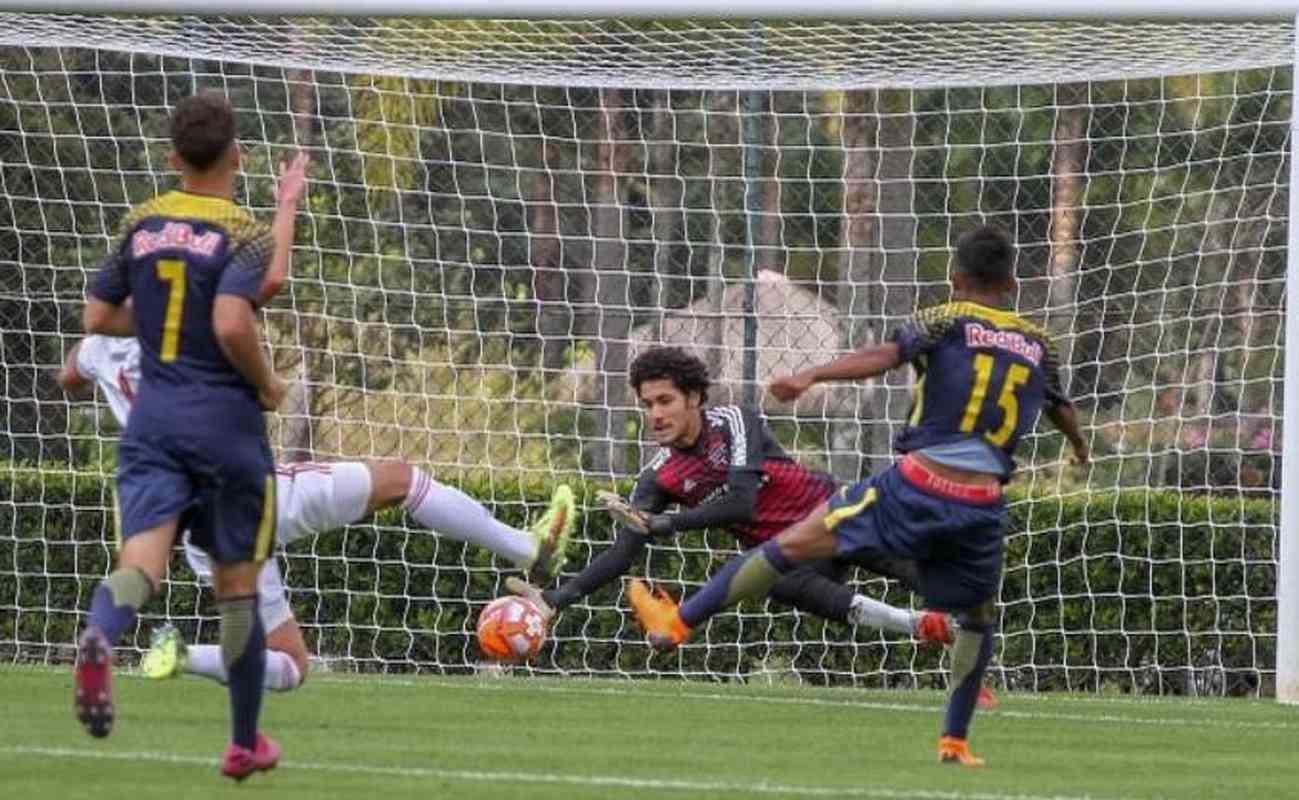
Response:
column 167, row 657
column 658, row 616
column 552, row 533
column 955, row 750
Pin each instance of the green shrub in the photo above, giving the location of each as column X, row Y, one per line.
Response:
column 1137, row 590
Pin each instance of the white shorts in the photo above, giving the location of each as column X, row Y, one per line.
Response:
column 311, row 498
column 272, row 600
column 315, row 497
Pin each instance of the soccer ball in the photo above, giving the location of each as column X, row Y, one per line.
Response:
column 511, row 629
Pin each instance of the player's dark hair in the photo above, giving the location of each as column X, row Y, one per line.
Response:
column 687, row 372
column 987, row 255
column 202, row 128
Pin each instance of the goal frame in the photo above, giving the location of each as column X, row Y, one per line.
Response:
column 1287, row 657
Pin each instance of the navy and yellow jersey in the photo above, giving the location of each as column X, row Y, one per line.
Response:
column 983, row 374
column 176, row 253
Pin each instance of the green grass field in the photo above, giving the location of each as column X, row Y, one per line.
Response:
column 382, row 738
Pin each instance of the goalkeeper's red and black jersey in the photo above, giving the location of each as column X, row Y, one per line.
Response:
column 735, row 447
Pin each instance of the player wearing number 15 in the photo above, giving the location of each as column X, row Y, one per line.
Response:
column 195, row 452
column 983, row 375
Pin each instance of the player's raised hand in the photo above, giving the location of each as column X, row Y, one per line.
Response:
column 1081, row 454
column 790, row 387
column 293, row 181
column 271, row 396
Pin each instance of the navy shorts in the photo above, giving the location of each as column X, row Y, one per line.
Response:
column 222, row 490
column 957, row 547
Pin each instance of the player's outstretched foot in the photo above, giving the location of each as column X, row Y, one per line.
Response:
column 552, row 533
column 240, row 762
column 94, row 679
column 167, row 657
column 521, row 588
column 955, row 750
column 987, row 700
column 934, row 627
column 658, row 616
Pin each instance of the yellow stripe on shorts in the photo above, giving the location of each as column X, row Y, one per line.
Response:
column 842, row 513
column 266, row 528
column 117, row 520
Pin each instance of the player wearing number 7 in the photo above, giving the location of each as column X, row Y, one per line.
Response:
column 983, row 375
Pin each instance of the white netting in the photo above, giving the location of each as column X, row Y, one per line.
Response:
column 671, row 54
column 502, row 213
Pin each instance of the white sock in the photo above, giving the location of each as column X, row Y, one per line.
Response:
column 870, row 613
column 205, row 660
column 455, row 515
column 281, row 672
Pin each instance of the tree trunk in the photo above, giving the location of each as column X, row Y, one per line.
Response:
column 721, row 108
column 770, row 254
column 880, row 279
column 857, row 266
column 554, row 315
column 666, row 190
column 1068, row 162
column 897, row 279
column 609, row 262
column 299, row 413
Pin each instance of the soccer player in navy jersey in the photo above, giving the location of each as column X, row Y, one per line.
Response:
column 313, row 497
column 723, row 467
column 191, row 263
column 983, row 375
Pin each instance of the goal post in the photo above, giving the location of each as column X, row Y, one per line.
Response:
column 509, row 200
column 1287, row 646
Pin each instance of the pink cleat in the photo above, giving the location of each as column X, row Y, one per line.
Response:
column 988, row 700
column 240, row 762
column 94, row 679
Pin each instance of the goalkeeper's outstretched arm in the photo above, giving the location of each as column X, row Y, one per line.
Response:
column 614, row 562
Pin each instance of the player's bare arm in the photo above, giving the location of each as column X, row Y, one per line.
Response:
column 70, row 380
column 288, row 193
column 101, row 316
column 865, row 363
column 1066, row 420
column 235, row 325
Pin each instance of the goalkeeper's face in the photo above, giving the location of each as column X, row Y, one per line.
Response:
column 671, row 415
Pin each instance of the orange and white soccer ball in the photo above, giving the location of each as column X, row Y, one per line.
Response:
column 511, row 629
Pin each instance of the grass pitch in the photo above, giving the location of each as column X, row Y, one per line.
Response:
column 384, row 738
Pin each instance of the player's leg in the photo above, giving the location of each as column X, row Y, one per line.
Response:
column 116, row 601
column 541, row 550
column 286, row 651
column 152, row 491
column 971, row 652
column 965, row 575
column 819, row 588
column 243, row 653
column 236, row 526
column 750, row 575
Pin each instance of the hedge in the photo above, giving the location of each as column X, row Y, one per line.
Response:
column 1135, row 590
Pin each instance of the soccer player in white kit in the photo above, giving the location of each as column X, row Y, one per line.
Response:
column 312, row 498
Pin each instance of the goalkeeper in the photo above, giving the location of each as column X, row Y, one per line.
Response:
column 724, row 468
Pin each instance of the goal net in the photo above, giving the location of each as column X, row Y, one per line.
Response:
column 502, row 213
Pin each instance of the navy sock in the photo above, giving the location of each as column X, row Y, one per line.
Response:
column 116, row 601
column 749, row 575
column 243, row 649
column 971, row 653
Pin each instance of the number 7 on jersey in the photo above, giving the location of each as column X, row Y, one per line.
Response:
column 172, row 271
